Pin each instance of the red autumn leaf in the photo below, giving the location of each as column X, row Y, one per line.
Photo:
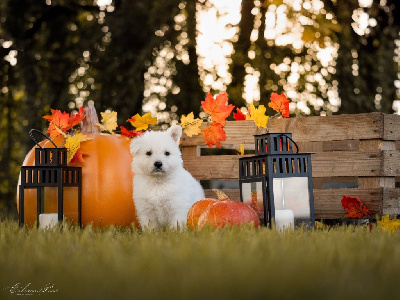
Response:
column 355, row 208
column 129, row 133
column 217, row 108
column 75, row 119
column 214, row 134
column 280, row 104
column 58, row 120
column 239, row 116
column 77, row 157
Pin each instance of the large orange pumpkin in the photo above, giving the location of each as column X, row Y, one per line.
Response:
column 106, row 183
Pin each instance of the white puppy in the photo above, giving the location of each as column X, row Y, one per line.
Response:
column 163, row 191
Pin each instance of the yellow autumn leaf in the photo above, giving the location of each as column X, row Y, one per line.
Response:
column 108, row 121
column 389, row 225
column 240, row 151
column 190, row 125
column 258, row 115
column 73, row 142
column 142, row 122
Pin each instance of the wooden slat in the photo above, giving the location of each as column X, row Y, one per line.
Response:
column 391, row 163
column 330, row 128
column 325, row 164
column 327, row 203
column 377, row 144
column 346, row 145
column 391, row 127
column 391, row 202
column 376, row 182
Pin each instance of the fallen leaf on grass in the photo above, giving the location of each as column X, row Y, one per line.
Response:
column 355, row 208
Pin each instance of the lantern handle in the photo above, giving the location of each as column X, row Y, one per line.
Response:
column 297, row 147
column 36, row 142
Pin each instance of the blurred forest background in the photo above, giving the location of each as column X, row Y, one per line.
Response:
column 327, row 56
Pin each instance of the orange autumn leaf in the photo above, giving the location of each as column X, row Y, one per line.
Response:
column 214, row 134
column 217, row 108
column 75, row 119
column 355, row 208
column 59, row 122
column 280, row 104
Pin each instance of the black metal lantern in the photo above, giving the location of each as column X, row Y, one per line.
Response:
column 50, row 170
column 277, row 182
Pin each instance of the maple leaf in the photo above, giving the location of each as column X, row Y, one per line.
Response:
column 75, row 119
column 355, row 208
column 258, row 115
column 240, row 151
column 214, row 134
column 389, row 225
column 142, row 123
column 239, row 116
column 129, row 133
column 190, row 125
column 73, row 142
column 108, row 121
column 59, row 122
column 280, row 104
column 217, row 108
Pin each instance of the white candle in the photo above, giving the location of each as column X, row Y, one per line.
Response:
column 284, row 219
column 48, row 221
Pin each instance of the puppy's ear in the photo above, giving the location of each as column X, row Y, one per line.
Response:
column 175, row 132
column 135, row 145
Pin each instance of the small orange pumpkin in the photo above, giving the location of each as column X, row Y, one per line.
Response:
column 228, row 213
column 196, row 210
column 106, row 181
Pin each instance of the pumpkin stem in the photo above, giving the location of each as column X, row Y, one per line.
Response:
column 88, row 124
column 220, row 195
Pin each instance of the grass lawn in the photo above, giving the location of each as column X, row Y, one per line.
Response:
column 343, row 262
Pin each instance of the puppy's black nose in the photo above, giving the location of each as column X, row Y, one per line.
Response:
column 158, row 164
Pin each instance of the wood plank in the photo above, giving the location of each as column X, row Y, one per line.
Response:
column 330, row 128
column 325, row 164
column 327, row 203
column 391, row 127
column 376, row 182
column 377, row 144
column 345, row 145
column 391, row 201
column 325, row 182
column 391, row 163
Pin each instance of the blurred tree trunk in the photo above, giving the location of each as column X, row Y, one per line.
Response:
column 369, row 57
column 240, row 55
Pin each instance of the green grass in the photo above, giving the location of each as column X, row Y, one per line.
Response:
column 334, row 263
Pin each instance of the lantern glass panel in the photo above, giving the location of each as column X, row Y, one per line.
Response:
column 252, row 194
column 292, row 193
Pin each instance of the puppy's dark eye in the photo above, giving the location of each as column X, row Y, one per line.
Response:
column 167, row 153
column 149, row 153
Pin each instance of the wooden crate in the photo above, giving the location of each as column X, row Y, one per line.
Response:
column 355, row 155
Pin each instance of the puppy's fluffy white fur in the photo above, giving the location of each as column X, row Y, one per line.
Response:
column 163, row 191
